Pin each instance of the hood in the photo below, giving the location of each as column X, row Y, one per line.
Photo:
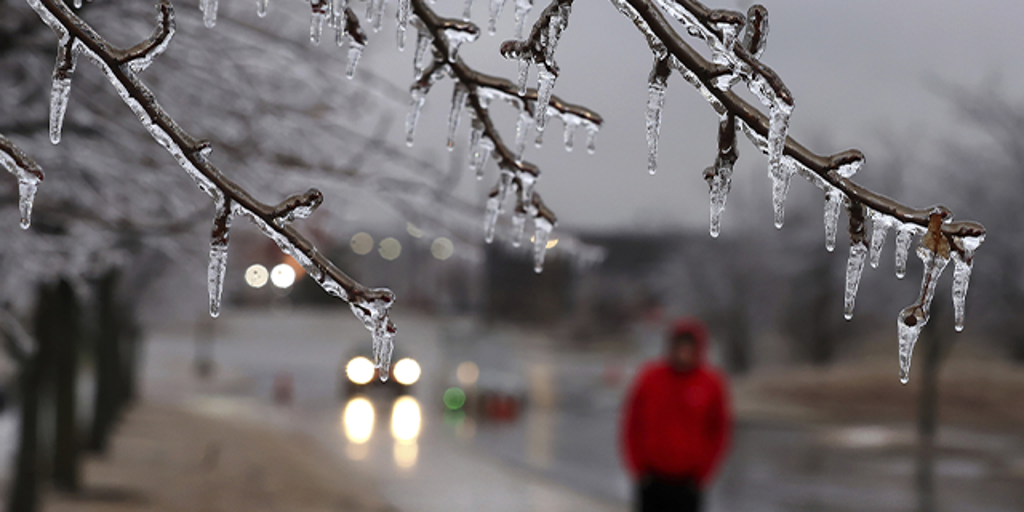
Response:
column 695, row 328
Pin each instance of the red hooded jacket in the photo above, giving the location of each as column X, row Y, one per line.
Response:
column 677, row 424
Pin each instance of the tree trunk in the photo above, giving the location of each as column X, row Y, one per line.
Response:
column 24, row 495
column 65, row 332
column 927, row 409
column 108, row 363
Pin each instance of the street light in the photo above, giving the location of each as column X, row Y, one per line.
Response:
column 283, row 275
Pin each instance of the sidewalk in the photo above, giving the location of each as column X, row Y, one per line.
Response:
column 164, row 458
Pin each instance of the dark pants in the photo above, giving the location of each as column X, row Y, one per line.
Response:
column 662, row 495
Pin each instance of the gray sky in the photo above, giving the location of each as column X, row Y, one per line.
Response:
column 863, row 74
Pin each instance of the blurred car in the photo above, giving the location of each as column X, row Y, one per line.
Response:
column 488, row 393
column 357, row 374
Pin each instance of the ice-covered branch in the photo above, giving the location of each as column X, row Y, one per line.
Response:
column 438, row 40
column 27, row 171
column 736, row 43
column 231, row 200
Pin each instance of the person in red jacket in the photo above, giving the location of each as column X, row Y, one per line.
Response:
column 676, row 424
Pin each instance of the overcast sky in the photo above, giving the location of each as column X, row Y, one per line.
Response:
column 864, row 74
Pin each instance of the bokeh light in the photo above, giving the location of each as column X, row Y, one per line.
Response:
column 359, row 370
column 283, row 275
column 454, row 398
column 390, row 249
column 358, row 420
column 406, row 419
column 362, row 243
column 407, row 371
column 256, row 276
column 442, row 248
column 413, row 231
column 467, row 373
column 406, row 454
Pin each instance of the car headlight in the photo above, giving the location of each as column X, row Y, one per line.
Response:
column 407, row 371
column 359, row 370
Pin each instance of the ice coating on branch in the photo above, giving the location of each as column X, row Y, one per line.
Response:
column 523, row 8
column 63, row 71
column 218, row 255
column 419, row 97
column 320, row 10
column 459, row 96
column 963, row 264
column 209, row 8
column 523, row 124
column 542, row 233
column 495, row 11
column 657, row 83
column 261, row 8
column 592, row 129
column 854, row 269
column 914, row 317
column 456, row 36
column 879, row 227
column 833, row 200
column 404, row 9
column 355, row 52
column 904, row 236
column 545, row 86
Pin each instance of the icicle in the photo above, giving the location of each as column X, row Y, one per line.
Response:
column 546, row 85
column 914, row 317
column 524, row 74
column 467, row 12
column 904, row 236
column 570, row 131
column 78, row 4
column 780, row 172
column 64, row 70
column 423, row 43
column 355, row 52
column 523, row 124
column 523, row 8
column 261, row 7
column 879, row 227
column 218, row 255
column 496, row 7
column 833, row 200
column 657, row 83
column 854, row 269
column 419, row 97
column 375, row 317
column 477, row 152
column 964, row 263
column 26, row 196
column 320, row 11
column 459, row 96
column 542, row 233
column 378, row 14
column 404, row 10
column 209, row 8
column 719, row 178
column 494, row 205
column 592, row 130
column 539, row 140
column 518, row 227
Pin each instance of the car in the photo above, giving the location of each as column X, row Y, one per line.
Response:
column 358, row 375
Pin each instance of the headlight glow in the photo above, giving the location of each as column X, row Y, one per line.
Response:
column 407, row 371
column 359, row 370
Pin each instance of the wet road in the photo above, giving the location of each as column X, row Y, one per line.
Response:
column 561, row 452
